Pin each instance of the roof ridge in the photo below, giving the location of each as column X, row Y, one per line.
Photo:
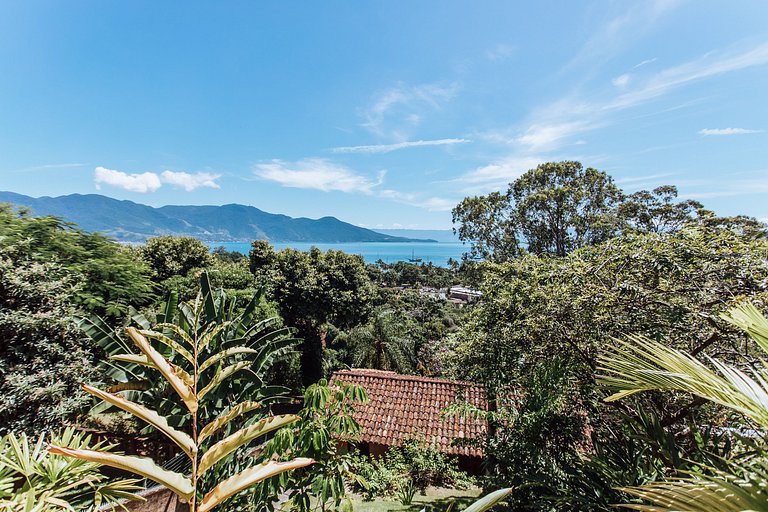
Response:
column 385, row 374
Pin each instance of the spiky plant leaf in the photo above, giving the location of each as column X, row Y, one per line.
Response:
column 222, row 421
column 247, row 478
column 488, row 501
column 243, row 436
column 186, row 394
column 176, row 482
column 181, row 439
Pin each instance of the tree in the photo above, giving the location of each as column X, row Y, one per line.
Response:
column 562, row 206
column 170, row 256
column 111, row 277
column 641, row 364
column 656, row 211
column 489, row 223
column 311, row 290
column 195, row 358
column 42, row 355
column 381, row 344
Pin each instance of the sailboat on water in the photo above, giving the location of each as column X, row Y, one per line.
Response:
column 413, row 258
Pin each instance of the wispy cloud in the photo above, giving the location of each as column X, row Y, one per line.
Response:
column 317, row 174
column 644, row 63
column 498, row 174
column 433, row 204
column 48, row 167
column 727, row 131
column 142, row 183
column 190, row 182
column 386, row 148
column 711, row 64
column 395, row 111
column 621, row 80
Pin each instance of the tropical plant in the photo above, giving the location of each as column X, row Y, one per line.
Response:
column 381, row 344
column 203, row 352
column 640, row 364
column 326, row 432
column 246, row 342
column 34, row 480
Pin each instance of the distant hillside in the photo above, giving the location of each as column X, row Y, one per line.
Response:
column 439, row 235
column 129, row 221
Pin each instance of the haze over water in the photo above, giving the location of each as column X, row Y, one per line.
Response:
column 389, row 252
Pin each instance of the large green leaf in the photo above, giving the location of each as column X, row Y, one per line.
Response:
column 243, row 436
column 222, row 375
column 181, row 439
column 221, row 421
column 248, row 478
column 488, row 501
column 147, row 468
column 186, row 393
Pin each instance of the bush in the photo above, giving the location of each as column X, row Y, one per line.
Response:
column 414, row 464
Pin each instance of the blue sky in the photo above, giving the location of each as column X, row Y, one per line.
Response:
column 383, row 114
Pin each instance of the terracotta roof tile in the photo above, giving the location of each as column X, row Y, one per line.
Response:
column 402, row 407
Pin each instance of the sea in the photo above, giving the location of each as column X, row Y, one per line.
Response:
column 389, row 252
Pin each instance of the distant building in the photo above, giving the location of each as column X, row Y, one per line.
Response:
column 404, row 407
column 464, row 294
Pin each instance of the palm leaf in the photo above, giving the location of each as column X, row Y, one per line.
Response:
column 243, row 436
column 147, row 468
column 247, row 478
column 221, row 421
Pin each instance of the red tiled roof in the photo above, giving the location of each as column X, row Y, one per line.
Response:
column 403, row 407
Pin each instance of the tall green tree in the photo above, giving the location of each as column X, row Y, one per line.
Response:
column 111, row 278
column 313, row 289
column 170, row 256
column 382, row 344
column 489, row 224
column 560, row 206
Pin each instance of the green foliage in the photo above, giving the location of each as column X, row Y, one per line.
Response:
column 198, row 351
column 311, row 290
column 111, row 279
column 247, row 344
column 643, row 365
column 43, row 356
column 413, row 463
column 671, row 286
column 170, row 256
column 381, row 344
column 324, row 433
column 33, row 480
column 562, row 206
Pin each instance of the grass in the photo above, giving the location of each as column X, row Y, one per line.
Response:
column 436, row 500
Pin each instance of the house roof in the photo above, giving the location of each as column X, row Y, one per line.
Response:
column 404, row 407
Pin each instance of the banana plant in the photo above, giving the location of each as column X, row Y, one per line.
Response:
column 641, row 364
column 200, row 353
column 34, row 480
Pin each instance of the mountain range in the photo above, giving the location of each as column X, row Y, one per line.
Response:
column 133, row 222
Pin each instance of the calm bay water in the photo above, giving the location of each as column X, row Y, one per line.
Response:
column 389, row 252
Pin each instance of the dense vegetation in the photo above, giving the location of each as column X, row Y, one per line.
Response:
column 567, row 263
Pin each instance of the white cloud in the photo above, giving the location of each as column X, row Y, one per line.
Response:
column 540, row 137
column 190, row 182
column 432, row 204
column 621, row 80
column 317, row 174
column 145, row 182
column 386, row 148
column 727, row 131
column 711, row 64
column 644, row 63
column 498, row 174
column 399, row 108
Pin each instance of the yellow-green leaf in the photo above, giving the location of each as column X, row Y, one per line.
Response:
column 139, row 359
column 219, row 422
column 248, row 478
column 224, row 354
column 177, row 383
column 221, row 375
column 243, row 436
column 145, row 467
column 184, row 441
column 170, row 342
